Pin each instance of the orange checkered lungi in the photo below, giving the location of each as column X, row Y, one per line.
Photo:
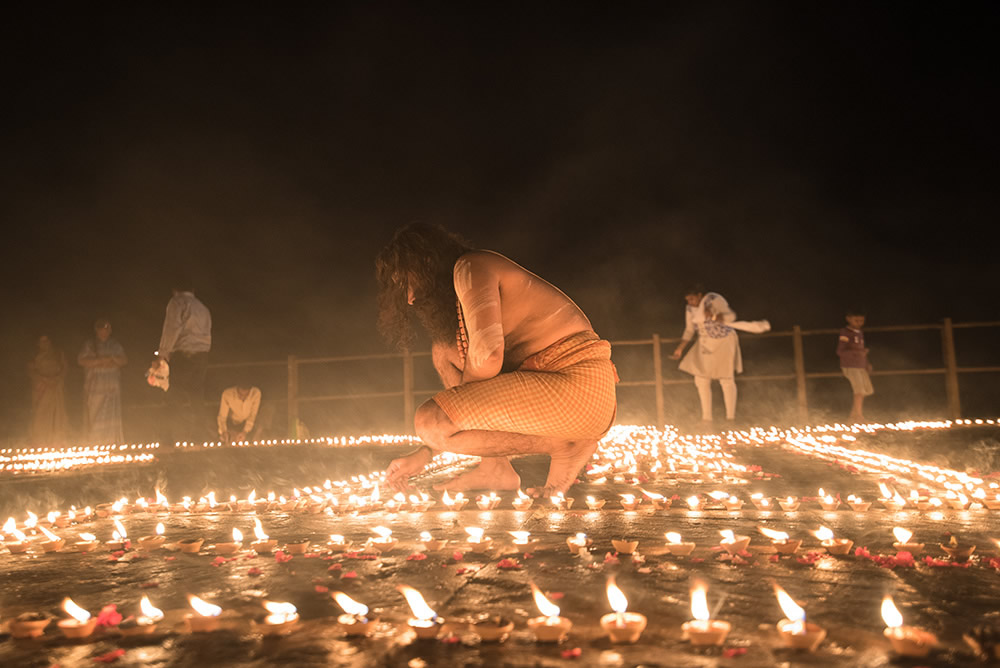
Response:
column 566, row 390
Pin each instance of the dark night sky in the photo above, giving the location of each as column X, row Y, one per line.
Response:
column 795, row 158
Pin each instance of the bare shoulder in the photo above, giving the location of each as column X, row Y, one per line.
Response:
column 487, row 262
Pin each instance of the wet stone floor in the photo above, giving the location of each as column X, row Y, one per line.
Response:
column 841, row 594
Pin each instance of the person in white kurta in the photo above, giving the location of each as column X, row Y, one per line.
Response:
column 716, row 354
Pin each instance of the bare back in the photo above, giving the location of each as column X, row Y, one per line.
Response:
column 510, row 313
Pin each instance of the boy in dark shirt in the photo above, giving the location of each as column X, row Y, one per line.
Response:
column 854, row 362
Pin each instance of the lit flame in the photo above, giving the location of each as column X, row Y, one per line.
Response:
column 280, row 608
column 773, row 535
column 475, row 534
column 890, row 614
column 204, row 608
column 349, row 605
column 426, row 536
column 120, row 528
column 10, row 526
column 162, row 500
column 417, row 604
column 520, row 537
column 545, row 606
column 149, row 610
column 89, row 537
column 383, row 532
column 718, row 496
column 699, row 603
column 48, row 534
column 727, row 536
column 521, row 495
column 252, row 496
column 792, row 610
column 824, row 534
column 693, row 502
column 673, row 537
column 237, row 535
column 75, row 611
column 902, row 535
column 337, row 539
column 616, row 598
column 580, row 539
column 160, row 529
column 886, row 493
column 258, row 530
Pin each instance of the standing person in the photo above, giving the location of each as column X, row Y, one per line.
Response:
column 524, row 371
column 716, row 355
column 238, row 409
column 102, row 358
column 47, row 371
column 184, row 344
column 854, row 362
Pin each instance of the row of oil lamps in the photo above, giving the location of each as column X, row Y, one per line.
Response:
column 621, row 625
column 17, row 542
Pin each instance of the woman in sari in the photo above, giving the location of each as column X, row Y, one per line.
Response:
column 47, row 371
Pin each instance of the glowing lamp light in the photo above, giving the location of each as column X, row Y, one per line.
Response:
column 149, row 610
column 699, row 603
column 160, row 529
column 616, row 598
column 281, row 613
column 88, row 537
column 75, row 611
column 793, row 611
column 890, row 613
column 520, row 537
column 120, row 528
column 775, row 536
column 902, row 535
column 204, row 608
column 237, row 535
column 823, row 534
column 349, row 605
column 621, row 626
column 384, row 533
column 673, row 537
column 550, row 627
column 258, row 530
column 48, row 534
column 694, row 503
column 425, row 621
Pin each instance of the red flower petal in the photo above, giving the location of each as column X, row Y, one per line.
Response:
column 110, row 657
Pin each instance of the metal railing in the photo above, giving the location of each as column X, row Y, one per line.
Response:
column 408, row 393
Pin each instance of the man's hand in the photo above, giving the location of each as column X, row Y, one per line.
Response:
column 240, row 436
column 224, row 437
column 399, row 471
column 676, row 355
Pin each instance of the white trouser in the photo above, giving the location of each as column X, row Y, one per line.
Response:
column 704, row 385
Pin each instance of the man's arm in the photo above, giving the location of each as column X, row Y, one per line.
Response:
column 254, row 407
column 223, row 414
column 171, row 329
column 444, row 356
column 478, row 290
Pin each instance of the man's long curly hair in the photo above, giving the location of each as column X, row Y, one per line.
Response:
column 422, row 256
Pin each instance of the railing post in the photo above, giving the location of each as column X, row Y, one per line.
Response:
column 293, row 397
column 408, row 403
column 950, row 370
column 658, row 380
column 800, row 374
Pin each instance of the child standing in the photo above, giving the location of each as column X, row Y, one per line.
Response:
column 854, row 361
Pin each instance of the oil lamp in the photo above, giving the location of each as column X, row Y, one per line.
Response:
column 789, row 504
column 903, row 543
column 205, row 617
column 231, row 547
column 425, row 622
column 144, row 623
column 760, row 501
column 354, row 621
column 430, row 543
column 561, row 502
column 702, row 630
column 623, row 546
column 87, row 543
column 487, row 502
column 263, row 544
column 297, row 546
column 827, row 502
column 677, row 546
column 550, row 627
column 385, row 542
column 621, row 626
column 53, row 543
column 733, row 544
column 835, row 546
column 155, row 541
column 905, row 640
column 795, row 632
column 659, row 501
column 477, row 542
column 282, row 619
column 630, row 501
column 81, row 623
column 522, row 501
column 29, row 625
column 780, row 540
column 858, row 504
column 595, row 504
column 523, row 540
column 579, row 543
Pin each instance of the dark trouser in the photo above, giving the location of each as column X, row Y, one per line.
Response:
column 186, row 398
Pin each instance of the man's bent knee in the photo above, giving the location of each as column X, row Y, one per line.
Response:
column 432, row 424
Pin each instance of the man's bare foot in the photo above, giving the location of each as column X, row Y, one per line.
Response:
column 565, row 465
column 492, row 473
